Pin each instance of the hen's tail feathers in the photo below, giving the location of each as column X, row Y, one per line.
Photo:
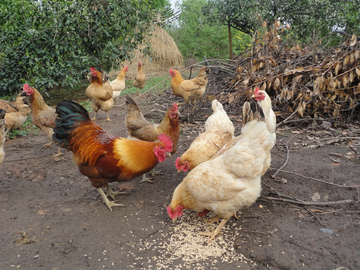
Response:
column 252, row 111
column 69, row 112
column 131, row 104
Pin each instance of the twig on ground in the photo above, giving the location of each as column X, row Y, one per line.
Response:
column 18, row 159
column 311, row 203
column 322, row 181
column 145, row 237
column 286, row 161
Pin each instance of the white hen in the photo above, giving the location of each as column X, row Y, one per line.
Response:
column 228, row 182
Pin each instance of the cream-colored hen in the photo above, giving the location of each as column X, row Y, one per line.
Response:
column 218, row 131
column 229, row 182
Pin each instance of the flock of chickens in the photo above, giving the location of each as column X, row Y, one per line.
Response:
column 225, row 171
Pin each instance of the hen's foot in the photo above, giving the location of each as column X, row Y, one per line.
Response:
column 235, row 216
column 212, row 220
column 59, row 153
column 107, row 201
column 112, row 193
column 108, row 118
column 216, row 231
column 47, row 145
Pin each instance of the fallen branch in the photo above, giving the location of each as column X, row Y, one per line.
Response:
column 311, row 203
column 18, row 159
column 322, row 181
column 286, row 161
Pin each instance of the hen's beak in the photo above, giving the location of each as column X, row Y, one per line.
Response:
column 168, row 154
column 174, row 220
column 253, row 96
column 179, row 171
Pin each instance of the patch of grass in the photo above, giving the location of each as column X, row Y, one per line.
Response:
column 150, row 82
column 86, row 105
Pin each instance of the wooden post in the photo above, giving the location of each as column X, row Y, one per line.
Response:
column 230, row 42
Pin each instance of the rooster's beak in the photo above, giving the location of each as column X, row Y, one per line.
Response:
column 179, row 171
column 253, row 96
column 168, row 154
column 174, row 220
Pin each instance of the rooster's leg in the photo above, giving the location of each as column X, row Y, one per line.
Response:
column 106, row 200
column 48, row 144
column 216, row 231
column 112, row 193
column 108, row 118
column 145, row 179
column 235, row 216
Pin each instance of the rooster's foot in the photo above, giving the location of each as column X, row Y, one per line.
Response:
column 112, row 193
column 235, row 216
column 216, row 231
column 153, row 172
column 107, row 201
column 145, row 179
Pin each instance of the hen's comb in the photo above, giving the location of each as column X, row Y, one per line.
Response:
column 171, row 215
column 257, row 90
column 177, row 163
column 175, row 106
column 26, row 87
column 167, row 141
column 171, row 69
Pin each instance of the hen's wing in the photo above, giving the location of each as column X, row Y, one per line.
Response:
column 46, row 117
column 136, row 123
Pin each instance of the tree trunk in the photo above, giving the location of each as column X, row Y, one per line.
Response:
column 230, row 42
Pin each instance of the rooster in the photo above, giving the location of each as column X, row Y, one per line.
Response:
column 102, row 156
column 43, row 116
column 187, row 89
column 118, row 84
column 218, row 131
column 100, row 95
column 140, row 79
column 138, row 127
column 2, row 135
column 230, row 181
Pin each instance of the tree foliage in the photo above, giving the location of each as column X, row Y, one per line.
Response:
column 53, row 43
column 305, row 16
column 195, row 37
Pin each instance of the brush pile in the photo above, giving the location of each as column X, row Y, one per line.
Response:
column 304, row 82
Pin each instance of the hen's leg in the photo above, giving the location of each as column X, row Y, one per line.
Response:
column 94, row 116
column 59, row 153
column 212, row 220
column 108, row 118
column 112, row 193
column 216, row 231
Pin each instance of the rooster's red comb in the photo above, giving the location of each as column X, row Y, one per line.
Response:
column 171, row 69
column 257, row 90
column 26, row 86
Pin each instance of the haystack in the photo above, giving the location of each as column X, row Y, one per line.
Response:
column 165, row 55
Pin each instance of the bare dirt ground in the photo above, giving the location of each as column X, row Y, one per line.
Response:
column 52, row 217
